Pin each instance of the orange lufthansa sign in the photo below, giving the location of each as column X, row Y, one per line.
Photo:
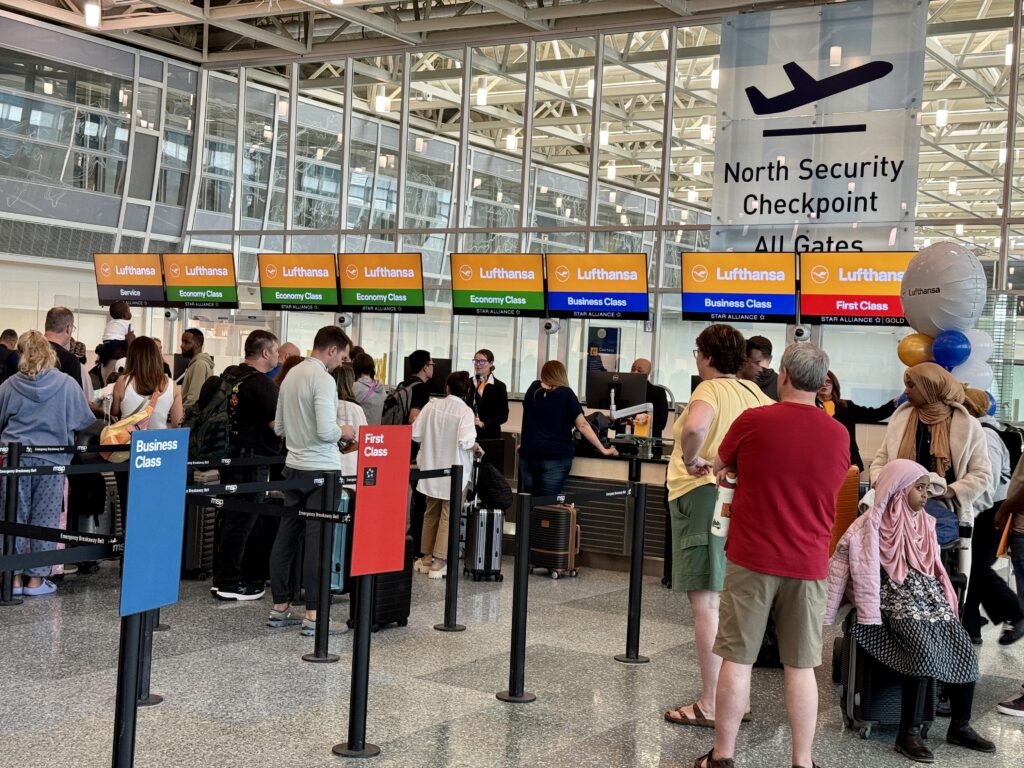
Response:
column 131, row 277
column 602, row 285
column 200, row 280
column 853, row 287
column 300, row 281
column 381, row 282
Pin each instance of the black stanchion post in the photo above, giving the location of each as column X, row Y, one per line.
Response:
column 517, row 658
column 11, row 516
column 126, row 709
column 356, row 746
column 159, row 626
column 320, row 654
column 146, row 697
column 451, row 592
column 636, row 578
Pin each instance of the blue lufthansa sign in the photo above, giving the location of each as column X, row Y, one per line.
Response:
column 156, row 520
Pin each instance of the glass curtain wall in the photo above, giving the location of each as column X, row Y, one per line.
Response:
column 601, row 143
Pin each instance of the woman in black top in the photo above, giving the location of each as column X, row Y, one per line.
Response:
column 849, row 414
column 488, row 398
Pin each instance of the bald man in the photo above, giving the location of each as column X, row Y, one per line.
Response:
column 285, row 351
column 656, row 396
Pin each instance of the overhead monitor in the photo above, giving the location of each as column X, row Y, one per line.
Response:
column 630, row 389
column 597, row 285
column 731, row 287
column 298, row 281
column 381, row 282
column 852, row 288
column 200, row 280
column 509, row 284
column 439, row 377
column 132, row 277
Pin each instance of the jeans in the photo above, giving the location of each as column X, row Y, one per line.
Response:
column 286, row 544
column 544, row 477
column 1017, row 558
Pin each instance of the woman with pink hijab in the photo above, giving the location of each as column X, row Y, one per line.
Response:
column 888, row 565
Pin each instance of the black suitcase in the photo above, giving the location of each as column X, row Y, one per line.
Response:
column 554, row 539
column 200, row 535
column 392, row 595
column 870, row 693
column 483, row 543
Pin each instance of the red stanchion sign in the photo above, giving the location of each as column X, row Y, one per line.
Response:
column 382, row 497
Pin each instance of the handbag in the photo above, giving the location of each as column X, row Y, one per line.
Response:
column 947, row 523
column 120, row 432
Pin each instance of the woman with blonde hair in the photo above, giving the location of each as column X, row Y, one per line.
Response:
column 40, row 406
column 550, row 411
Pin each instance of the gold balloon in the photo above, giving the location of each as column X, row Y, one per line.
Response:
column 915, row 348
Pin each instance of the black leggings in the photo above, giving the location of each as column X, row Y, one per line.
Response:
column 961, row 698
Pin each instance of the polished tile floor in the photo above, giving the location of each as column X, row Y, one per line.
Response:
column 237, row 694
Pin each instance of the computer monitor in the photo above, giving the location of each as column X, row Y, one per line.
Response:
column 630, row 389
column 442, row 369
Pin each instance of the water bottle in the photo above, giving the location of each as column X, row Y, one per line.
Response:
column 723, row 505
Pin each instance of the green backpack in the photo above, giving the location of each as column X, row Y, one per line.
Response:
column 212, row 425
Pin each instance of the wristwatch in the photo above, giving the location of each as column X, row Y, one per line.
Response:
column 692, row 462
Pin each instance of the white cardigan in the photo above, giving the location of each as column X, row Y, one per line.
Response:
column 969, row 450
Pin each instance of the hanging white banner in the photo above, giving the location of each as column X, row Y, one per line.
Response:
column 816, row 143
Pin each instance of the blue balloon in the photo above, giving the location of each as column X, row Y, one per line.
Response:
column 950, row 349
column 991, row 404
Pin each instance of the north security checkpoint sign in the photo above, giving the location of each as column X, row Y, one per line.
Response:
column 132, row 277
column 852, row 288
column 196, row 280
column 298, row 281
column 509, row 284
column 754, row 287
column 597, row 285
column 381, row 282
column 156, row 520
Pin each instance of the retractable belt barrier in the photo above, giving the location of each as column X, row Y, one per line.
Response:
column 516, row 693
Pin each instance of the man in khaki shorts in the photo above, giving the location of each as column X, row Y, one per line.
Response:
column 777, row 548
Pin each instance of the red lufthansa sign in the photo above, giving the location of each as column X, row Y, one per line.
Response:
column 382, row 496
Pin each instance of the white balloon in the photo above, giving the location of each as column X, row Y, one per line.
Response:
column 977, row 374
column 981, row 344
column 943, row 289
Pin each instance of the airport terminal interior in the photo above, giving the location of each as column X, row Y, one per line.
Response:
column 783, row 166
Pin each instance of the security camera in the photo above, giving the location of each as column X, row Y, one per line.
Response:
column 551, row 327
column 802, row 333
column 170, row 314
column 343, row 321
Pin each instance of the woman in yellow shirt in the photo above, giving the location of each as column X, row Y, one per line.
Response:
column 698, row 558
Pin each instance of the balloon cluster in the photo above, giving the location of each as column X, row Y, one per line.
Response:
column 943, row 294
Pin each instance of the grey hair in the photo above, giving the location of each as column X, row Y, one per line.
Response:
column 807, row 366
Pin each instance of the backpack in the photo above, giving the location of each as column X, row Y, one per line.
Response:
column 1013, row 439
column 398, row 404
column 492, row 489
column 212, row 425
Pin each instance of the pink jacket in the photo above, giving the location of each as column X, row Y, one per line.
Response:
column 854, row 572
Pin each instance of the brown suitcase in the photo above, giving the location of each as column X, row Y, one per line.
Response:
column 554, row 539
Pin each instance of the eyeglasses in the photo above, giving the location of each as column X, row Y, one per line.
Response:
column 431, row 362
column 695, row 353
column 480, row 361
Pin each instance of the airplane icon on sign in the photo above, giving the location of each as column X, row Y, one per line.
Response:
column 807, row 89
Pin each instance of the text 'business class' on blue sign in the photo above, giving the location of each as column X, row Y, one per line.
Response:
column 739, row 286
column 606, row 285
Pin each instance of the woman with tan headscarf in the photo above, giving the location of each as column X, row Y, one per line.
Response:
column 934, row 429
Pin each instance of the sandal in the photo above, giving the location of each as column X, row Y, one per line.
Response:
column 710, row 761
column 678, row 717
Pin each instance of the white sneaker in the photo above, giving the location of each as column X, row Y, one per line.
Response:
column 438, row 570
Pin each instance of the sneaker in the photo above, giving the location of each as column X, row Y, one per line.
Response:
column 289, row 617
column 1013, row 708
column 423, row 565
column 239, row 591
column 438, row 570
column 309, row 628
column 1012, row 632
column 16, row 591
column 46, row 587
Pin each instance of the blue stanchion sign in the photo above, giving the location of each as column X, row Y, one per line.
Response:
column 155, row 520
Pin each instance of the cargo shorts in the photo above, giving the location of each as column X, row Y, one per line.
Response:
column 747, row 600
